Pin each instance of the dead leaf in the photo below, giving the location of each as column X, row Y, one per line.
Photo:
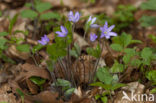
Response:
column 134, row 86
column 7, row 97
column 83, row 68
column 13, row 52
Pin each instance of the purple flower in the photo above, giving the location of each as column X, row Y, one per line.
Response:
column 106, row 31
column 44, row 40
column 93, row 37
column 63, row 32
column 74, row 18
column 91, row 21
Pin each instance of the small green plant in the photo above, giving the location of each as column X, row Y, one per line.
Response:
column 123, row 17
column 108, row 82
column 39, row 12
column 21, row 94
column 66, row 87
column 147, row 21
column 38, row 81
column 151, row 75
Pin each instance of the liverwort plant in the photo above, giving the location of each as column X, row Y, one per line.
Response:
column 62, row 50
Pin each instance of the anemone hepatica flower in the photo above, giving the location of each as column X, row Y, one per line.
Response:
column 63, row 32
column 93, row 37
column 106, row 31
column 92, row 21
column 44, row 40
column 74, row 18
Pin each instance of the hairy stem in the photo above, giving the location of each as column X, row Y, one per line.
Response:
column 97, row 61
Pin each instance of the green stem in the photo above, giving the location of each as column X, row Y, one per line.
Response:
column 97, row 61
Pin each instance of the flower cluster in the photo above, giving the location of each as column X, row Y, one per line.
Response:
column 105, row 30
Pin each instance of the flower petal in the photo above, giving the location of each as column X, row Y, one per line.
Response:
column 77, row 16
column 46, row 38
column 102, row 35
column 107, row 36
column 110, row 28
column 94, row 26
column 70, row 13
column 42, row 42
column 102, row 29
column 93, row 20
column 93, row 37
column 112, row 34
column 70, row 16
column 90, row 18
column 106, row 25
column 59, row 33
column 64, row 30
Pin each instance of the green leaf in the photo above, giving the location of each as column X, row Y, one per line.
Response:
column 37, row 80
column 118, row 85
column 37, row 48
column 153, row 37
column 153, row 91
column 41, row 7
column 69, row 92
column 124, row 40
column 3, row 102
column 20, row 31
column 104, row 99
column 100, row 84
column 147, row 21
column 3, row 33
column 12, row 22
column 136, row 41
column 116, row 47
column 104, row 75
column 117, row 68
column 62, row 82
column 94, row 52
column 77, row 48
column 29, row 14
column 151, row 75
column 28, row 5
column 2, row 43
column 76, row 51
column 136, row 62
column 0, row 13
column 97, row 96
column 23, row 48
column 6, row 59
column 149, row 5
column 58, row 51
column 146, row 54
column 50, row 15
column 20, row 92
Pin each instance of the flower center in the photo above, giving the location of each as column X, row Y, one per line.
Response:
column 105, row 32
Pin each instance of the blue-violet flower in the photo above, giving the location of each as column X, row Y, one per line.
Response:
column 74, row 18
column 63, row 32
column 106, row 31
column 92, row 21
column 93, row 37
column 44, row 40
